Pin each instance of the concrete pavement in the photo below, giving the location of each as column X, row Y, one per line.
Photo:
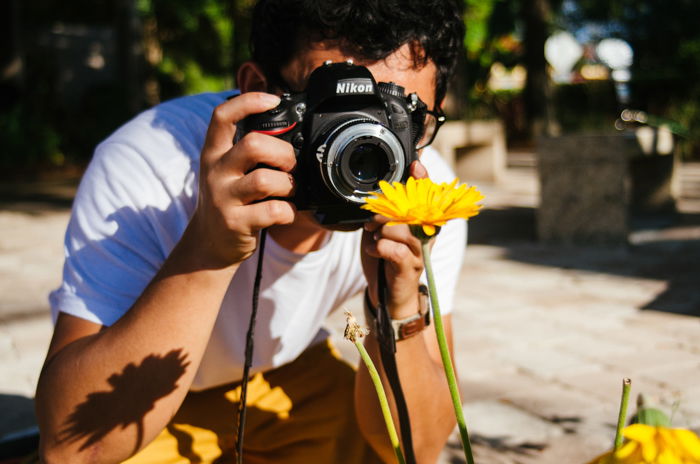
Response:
column 544, row 334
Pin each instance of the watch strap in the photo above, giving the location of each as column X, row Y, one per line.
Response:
column 409, row 326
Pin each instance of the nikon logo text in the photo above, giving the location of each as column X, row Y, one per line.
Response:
column 354, row 86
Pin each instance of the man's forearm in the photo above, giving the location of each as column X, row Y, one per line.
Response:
column 103, row 396
column 427, row 397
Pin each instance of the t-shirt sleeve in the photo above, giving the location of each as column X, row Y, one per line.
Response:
column 114, row 244
column 132, row 206
column 448, row 251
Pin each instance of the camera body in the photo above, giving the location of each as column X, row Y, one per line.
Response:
column 348, row 133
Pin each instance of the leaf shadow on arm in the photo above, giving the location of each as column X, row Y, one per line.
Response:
column 134, row 392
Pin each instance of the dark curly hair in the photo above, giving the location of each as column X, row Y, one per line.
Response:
column 369, row 29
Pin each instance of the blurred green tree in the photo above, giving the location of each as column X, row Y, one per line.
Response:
column 165, row 49
column 511, row 32
column 151, row 50
column 192, row 47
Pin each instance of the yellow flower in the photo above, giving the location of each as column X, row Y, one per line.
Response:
column 654, row 445
column 425, row 203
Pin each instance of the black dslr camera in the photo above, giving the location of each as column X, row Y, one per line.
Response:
column 348, row 133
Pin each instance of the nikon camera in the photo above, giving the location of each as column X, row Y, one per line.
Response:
column 348, row 133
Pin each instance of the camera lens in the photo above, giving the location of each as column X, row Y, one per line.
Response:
column 356, row 155
column 368, row 163
column 363, row 162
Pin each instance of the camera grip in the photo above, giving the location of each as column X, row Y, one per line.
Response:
column 283, row 121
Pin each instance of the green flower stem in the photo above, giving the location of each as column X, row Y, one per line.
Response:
column 626, row 385
column 445, row 354
column 383, row 403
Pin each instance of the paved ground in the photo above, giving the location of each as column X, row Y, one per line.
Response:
column 544, row 334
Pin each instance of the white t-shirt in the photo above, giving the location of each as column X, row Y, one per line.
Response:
column 135, row 201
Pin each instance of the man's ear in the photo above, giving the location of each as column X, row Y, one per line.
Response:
column 251, row 78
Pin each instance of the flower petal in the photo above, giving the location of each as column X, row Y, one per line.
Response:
column 688, row 443
column 423, row 202
column 628, row 452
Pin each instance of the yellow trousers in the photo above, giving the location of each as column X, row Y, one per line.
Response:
column 302, row 412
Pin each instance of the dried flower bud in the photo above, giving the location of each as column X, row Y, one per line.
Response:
column 353, row 331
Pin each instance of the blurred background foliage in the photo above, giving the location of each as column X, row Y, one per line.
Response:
column 664, row 35
column 74, row 71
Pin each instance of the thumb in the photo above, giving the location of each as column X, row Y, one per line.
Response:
column 417, row 170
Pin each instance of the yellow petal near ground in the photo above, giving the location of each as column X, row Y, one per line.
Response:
column 647, row 444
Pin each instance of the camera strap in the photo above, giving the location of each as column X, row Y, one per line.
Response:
column 242, row 406
column 387, row 351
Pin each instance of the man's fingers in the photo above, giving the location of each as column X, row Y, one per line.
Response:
column 222, row 126
column 397, row 253
column 268, row 213
column 375, row 222
column 255, row 149
column 262, row 183
column 399, row 234
column 378, row 228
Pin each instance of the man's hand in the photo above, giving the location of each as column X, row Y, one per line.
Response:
column 402, row 254
column 232, row 205
column 417, row 358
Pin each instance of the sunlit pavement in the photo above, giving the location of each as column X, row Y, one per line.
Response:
column 544, row 334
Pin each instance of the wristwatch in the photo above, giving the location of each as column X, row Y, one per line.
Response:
column 409, row 326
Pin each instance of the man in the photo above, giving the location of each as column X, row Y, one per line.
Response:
column 161, row 255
